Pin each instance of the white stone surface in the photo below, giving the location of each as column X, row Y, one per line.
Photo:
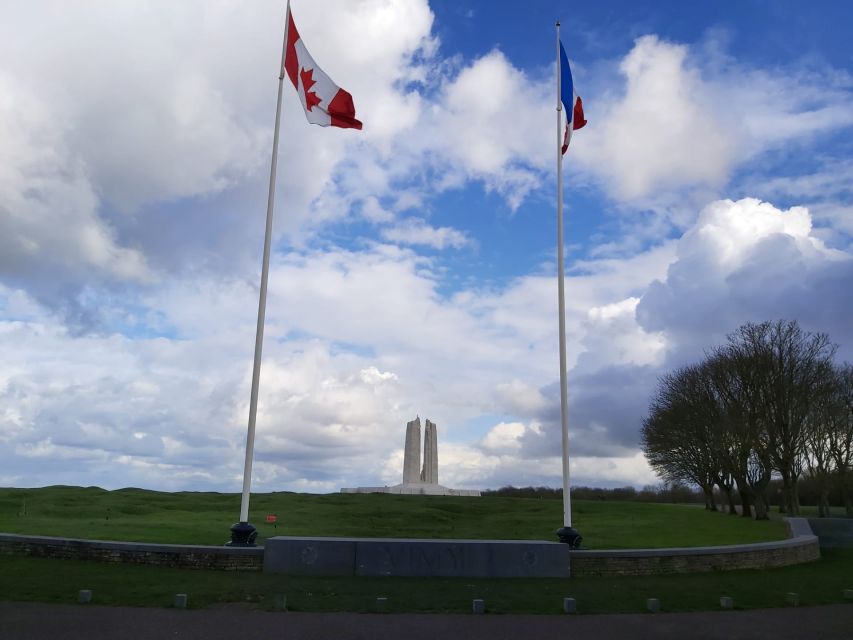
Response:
column 412, row 452
column 429, row 474
column 417, row 481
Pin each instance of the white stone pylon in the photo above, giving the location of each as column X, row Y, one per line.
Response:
column 429, row 474
column 412, row 453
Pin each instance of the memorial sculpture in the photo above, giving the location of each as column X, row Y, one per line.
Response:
column 418, row 480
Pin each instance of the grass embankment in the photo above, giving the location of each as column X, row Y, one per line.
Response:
column 204, row 518
column 47, row 580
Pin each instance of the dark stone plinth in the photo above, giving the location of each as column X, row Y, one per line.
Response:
column 243, row 534
column 415, row 557
column 834, row 533
column 570, row 536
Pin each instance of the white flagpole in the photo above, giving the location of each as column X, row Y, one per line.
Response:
column 564, row 402
column 247, row 537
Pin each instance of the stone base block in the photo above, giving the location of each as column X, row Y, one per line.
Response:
column 415, row 489
column 415, row 557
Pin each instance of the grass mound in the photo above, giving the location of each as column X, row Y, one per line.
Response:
column 203, row 518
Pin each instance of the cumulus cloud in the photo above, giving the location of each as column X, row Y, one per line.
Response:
column 649, row 137
column 748, row 260
column 685, row 119
column 48, row 205
column 492, row 118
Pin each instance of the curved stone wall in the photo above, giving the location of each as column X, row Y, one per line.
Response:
column 802, row 546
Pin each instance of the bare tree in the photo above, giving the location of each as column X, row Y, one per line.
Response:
column 742, row 438
column 793, row 370
column 678, row 434
column 841, row 434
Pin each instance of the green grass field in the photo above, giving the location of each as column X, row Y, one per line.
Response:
column 204, row 518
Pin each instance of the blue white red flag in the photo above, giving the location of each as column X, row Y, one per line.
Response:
column 571, row 101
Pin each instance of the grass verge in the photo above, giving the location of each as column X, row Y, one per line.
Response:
column 51, row 580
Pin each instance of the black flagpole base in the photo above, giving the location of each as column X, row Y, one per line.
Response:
column 242, row 535
column 570, row 536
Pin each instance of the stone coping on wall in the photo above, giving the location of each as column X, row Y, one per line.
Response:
column 172, row 555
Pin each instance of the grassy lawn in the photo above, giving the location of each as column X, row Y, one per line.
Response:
column 204, row 518
column 49, row 580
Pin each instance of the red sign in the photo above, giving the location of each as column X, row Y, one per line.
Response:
column 271, row 517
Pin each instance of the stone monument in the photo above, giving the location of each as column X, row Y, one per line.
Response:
column 418, row 480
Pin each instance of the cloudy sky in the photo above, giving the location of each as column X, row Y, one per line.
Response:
column 413, row 270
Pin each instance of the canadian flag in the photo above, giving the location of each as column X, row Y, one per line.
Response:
column 325, row 103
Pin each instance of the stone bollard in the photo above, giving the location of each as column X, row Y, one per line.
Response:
column 279, row 602
column 84, row 596
column 653, row 605
column 569, row 605
column 478, row 606
column 792, row 599
column 381, row 604
column 726, row 602
column 180, row 601
column 848, row 594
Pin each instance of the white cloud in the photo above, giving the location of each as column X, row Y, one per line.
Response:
column 504, row 437
column 48, row 206
column 664, row 132
column 414, row 231
column 748, row 260
column 687, row 120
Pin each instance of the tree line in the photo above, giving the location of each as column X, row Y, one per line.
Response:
column 771, row 402
column 677, row 493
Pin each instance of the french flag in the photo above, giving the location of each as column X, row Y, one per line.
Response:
column 571, row 101
column 325, row 103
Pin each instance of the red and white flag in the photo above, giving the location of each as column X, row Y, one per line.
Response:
column 325, row 103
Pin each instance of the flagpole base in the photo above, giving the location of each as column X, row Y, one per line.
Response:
column 242, row 535
column 570, row 536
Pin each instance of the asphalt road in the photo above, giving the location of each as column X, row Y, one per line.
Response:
column 34, row 621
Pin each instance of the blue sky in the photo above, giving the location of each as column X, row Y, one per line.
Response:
column 413, row 269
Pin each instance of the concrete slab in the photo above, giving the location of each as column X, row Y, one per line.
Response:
column 310, row 556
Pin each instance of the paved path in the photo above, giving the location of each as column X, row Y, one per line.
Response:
column 34, row 621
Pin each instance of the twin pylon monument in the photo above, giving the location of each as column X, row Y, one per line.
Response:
column 417, row 479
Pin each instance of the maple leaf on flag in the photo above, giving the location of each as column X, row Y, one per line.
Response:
column 311, row 98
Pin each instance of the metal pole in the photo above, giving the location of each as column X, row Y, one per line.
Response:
column 564, row 402
column 262, row 305
column 259, row 334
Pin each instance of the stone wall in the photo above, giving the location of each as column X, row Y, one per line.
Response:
column 512, row 558
column 164, row 555
column 802, row 547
